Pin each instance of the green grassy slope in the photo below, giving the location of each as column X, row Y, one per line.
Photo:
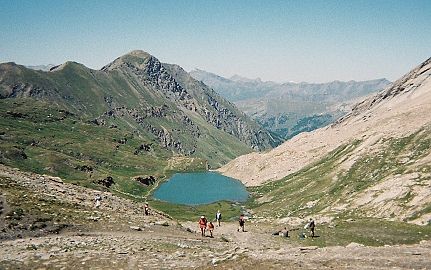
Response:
column 43, row 138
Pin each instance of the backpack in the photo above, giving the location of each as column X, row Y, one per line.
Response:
column 202, row 221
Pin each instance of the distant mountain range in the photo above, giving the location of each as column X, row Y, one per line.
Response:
column 287, row 109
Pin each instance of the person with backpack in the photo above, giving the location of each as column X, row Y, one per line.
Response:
column 218, row 217
column 241, row 223
column 146, row 209
column 98, row 200
column 203, row 225
column 283, row 232
column 311, row 225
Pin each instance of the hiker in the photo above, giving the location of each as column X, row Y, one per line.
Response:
column 146, row 209
column 311, row 225
column 283, row 232
column 241, row 222
column 211, row 228
column 218, row 217
column 98, row 200
column 203, row 224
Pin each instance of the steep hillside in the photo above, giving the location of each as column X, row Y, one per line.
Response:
column 375, row 161
column 290, row 108
column 137, row 93
column 41, row 137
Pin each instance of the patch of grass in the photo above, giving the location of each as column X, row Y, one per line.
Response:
column 290, row 195
column 425, row 210
column 406, row 198
column 366, row 231
column 230, row 211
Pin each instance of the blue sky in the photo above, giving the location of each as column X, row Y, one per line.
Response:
column 314, row 41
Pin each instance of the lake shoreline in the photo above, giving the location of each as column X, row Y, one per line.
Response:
column 208, row 187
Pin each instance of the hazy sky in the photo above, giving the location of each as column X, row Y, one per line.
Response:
column 314, row 41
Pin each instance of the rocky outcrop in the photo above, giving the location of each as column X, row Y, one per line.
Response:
column 146, row 180
column 106, row 182
column 14, row 153
column 229, row 122
column 142, row 148
column 84, row 168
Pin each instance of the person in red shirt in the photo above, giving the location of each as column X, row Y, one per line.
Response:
column 203, row 224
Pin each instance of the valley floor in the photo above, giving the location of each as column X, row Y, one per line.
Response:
column 119, row 236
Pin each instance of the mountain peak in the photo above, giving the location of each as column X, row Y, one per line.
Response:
column 138, row 53
column 67, row 64
column 137, row 58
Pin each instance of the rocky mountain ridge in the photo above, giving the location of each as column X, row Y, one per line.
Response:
column 138, row 91
column 403, row 86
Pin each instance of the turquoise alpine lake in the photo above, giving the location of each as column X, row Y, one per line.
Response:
column 201, row 188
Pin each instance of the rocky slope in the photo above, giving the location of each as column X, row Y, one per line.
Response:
column 376, row 160
column 138, row 93
column 290, row 108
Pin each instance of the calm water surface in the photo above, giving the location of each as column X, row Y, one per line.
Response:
column 201, row 188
